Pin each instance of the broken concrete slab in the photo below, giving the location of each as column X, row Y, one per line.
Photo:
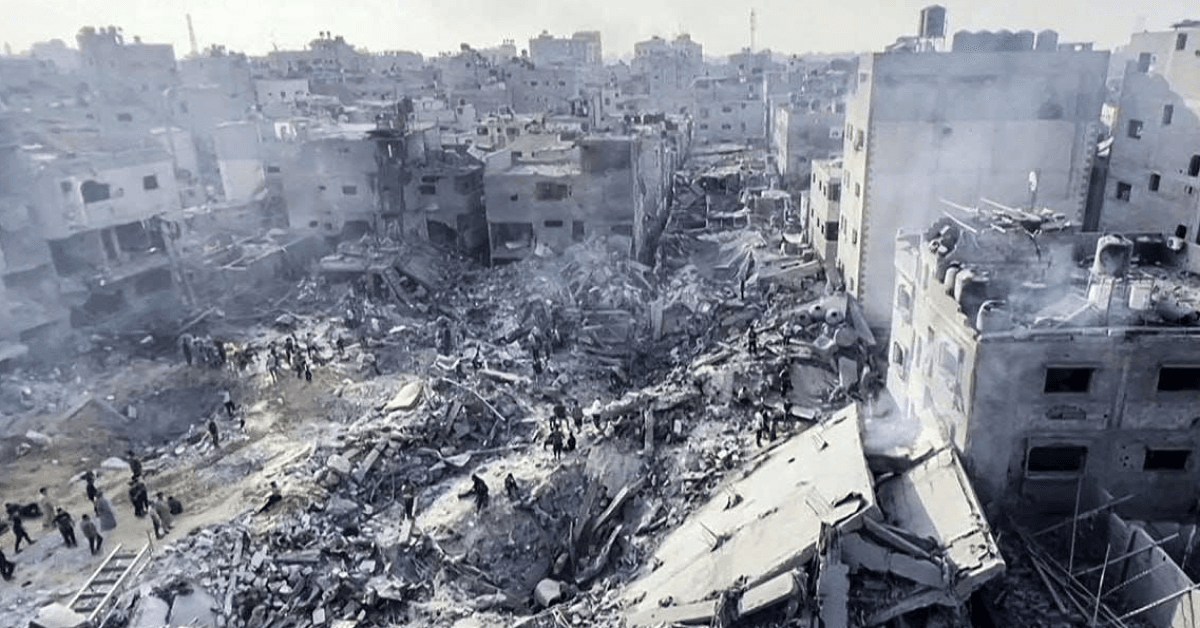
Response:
column 688, row 614
column 547, row 592
column 59, row 616
column 935, row 499
column 406, row 397
column 339, row 464
column 816, row 478
column 858, row 552
column 768, row 594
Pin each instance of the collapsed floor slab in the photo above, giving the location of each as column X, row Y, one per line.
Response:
column 814, row 479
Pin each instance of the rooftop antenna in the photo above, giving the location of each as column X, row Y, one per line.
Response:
column 753, row 28
column 192, row 36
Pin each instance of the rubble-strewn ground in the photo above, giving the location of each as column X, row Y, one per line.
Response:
column 340, row 543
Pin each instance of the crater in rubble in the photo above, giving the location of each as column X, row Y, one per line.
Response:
column 165, row 415
column 515, row 544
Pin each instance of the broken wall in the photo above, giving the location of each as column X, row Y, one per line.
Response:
column 329, row 182
column 1159, row 577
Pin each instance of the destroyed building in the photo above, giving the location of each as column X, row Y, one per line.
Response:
column 1048, row 355
column 572, row 190
column 107, row 220
column 1008, row 124
column 328, row 176
column 1154, row 172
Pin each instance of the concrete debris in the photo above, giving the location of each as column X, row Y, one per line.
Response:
column 547, row 592
column 59, row 616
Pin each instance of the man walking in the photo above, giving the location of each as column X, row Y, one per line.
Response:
column 66, row 527
column 91, row 486
column 227, row 401
column 93, row 536
column 19, row 533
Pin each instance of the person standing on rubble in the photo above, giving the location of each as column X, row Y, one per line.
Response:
column 555, row 442
column 227, row 401
column 752, row 340
column 512, row 489
column 185, row 345
column 479, row 489
column 135, row 465
column 48, row 509
column 66, row 527
column 90, row 478
column 140, row 498
column 212, row 431
column 273, row 499
column 104, row 511
column 160, row 507
column 91, row 534
column 19, row 533
column 273, row 365
column 159, row 528
column 287, row 348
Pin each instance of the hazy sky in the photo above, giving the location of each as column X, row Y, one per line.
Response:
column 431, row 26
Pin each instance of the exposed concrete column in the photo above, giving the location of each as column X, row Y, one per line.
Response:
column 648, row 423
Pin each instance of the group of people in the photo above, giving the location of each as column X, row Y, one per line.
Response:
column 103, row 519
column 204, row 351
column 558, row 422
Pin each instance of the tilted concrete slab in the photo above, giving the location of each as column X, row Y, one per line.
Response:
column 814, row 478
column 935, row 500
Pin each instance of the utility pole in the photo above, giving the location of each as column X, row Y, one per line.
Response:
column 192, row 36
column 753, row 28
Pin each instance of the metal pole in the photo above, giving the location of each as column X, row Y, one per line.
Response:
column 1074, row 526
column 1100, row 587
column 1122, row 557
column 1159, row 602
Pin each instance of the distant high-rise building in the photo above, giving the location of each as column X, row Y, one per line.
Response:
column 582, row 48
column 1154, row 173
column 1014, row 127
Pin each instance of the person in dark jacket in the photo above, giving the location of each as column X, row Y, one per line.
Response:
column 91, row 533
column 66, row 527
column 174, row 505
column 91, row 486
column 19, row 533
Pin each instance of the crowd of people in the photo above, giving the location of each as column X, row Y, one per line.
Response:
column 161, row 510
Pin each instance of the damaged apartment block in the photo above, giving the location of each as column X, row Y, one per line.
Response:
column 1049, row 354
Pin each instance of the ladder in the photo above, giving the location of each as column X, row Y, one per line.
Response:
column 107, row 581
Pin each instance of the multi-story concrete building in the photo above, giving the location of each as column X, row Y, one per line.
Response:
column 802, row 134
column 668, row 66
column 582, row 48
column 328, row 178
column 30, row 308
column 1154, row 171
column 118, row 68
column 821, row 224
column 729, row 109
column 1047, row 354
column 960, row 126
column 569, row 191
column 107, row 218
